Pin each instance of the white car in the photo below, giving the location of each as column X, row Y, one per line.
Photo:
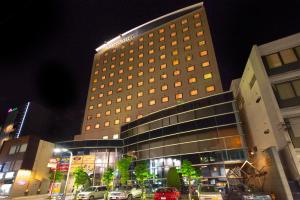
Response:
column 125, row 192
column 93, row 192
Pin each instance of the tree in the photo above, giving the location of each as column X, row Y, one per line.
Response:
column 107, row 179
column 81, row 177
column 142, row 174
column 173, row 179
column 189, row 172
column 123, row 167
column 57, row 174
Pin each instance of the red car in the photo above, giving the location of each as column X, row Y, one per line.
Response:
column 166, row 193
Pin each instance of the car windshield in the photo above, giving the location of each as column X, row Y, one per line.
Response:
column 90, row 189
column 165, row 190
column 124, row 188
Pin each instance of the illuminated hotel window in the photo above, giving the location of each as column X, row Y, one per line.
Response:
column 118, row 110
column 184, row 21
column 150, row 43
column 140, row 83
column 123, row 47
column 105, row 61
column 116, row 136
column 97, row 126
column 131, row 43
column 205, row 64
column 129, row 77
column 121, row 71
column 163, row 66
column 173, row 34
column 186, row 38
column 119, row 99
column 190, row 68
column 95, row 80
column 165, row 99
column 163, row 47
column 130, row 59
column 178, row 96
column 87, row 128
column 96, row 72
column 92, row 98
column 105, row 137
column 151, row 69
column 200, row 33
column 131, row 51
column 100, row 95
column 113, row 58
column 151, row 102
column 197, row 15
column 173, row 43
column 130, row 68
column 188, row 58
column 121, row 62
column 112, row 66
column 207, row 76
column 201, row 43
column 89, row 117
column 151, row 60
column 117, row 121
column 141, row 55
column 172, row 26
column 175, row 52
column 114, row 50
column 141, row 39
column 151, row 80
column 128, row 107
column 122, row 54
column 104, row 69
column 129, row 97
column 140, row 94
column 152, row 91
column 176, row 72
column 188, row 47
column 120, row 80
column 161, row 39
column 151, row 51
column 129, row 86
column 175, row 62
column 111, row 74
column 161, row 30
column 193, row 92
column 127, row 119
column 203, row 53
column 110, row 83
column 198, row 24
column 185, row 29
column 93, row 89
column 163, row 56
column 102, row 86
column 163, row 76
column 140, row 73
column 108, row 102
column 119, row 90
column 150, row 35
column 141, row 47
column 97, row 65
column 99, row 105
column 103, row 77
column 139, row 116
column 106, row 124
column 164, row 87
column 210, row 88
column 140, row 105
column 192, row 80
column 141, row 64
column 98, row 115
column 107, row 112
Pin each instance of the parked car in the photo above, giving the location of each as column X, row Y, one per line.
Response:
column 166, row 193
column 125, row 192
column 91, row 193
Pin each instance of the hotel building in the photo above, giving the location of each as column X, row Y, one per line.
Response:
column 159, row 64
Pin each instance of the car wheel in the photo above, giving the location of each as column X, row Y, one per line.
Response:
column 91, row 198
column 129, row 197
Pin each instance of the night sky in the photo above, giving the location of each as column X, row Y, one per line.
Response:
column 47, row 47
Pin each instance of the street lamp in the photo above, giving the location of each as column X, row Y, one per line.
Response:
column 64, row 150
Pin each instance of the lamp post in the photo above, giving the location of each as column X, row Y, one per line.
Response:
column 63, row 150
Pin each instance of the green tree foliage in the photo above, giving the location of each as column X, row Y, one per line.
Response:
column 173, row 179
column 107, row 179
column 142, row 174
column 123, row 167
column 57, row 174
column 81, row 177
column 189, row 172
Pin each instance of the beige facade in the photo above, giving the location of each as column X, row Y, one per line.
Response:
column 268, row 95
column 154, row 66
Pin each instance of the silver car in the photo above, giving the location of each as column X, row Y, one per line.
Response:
column 91, row 193
column 125, row 192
